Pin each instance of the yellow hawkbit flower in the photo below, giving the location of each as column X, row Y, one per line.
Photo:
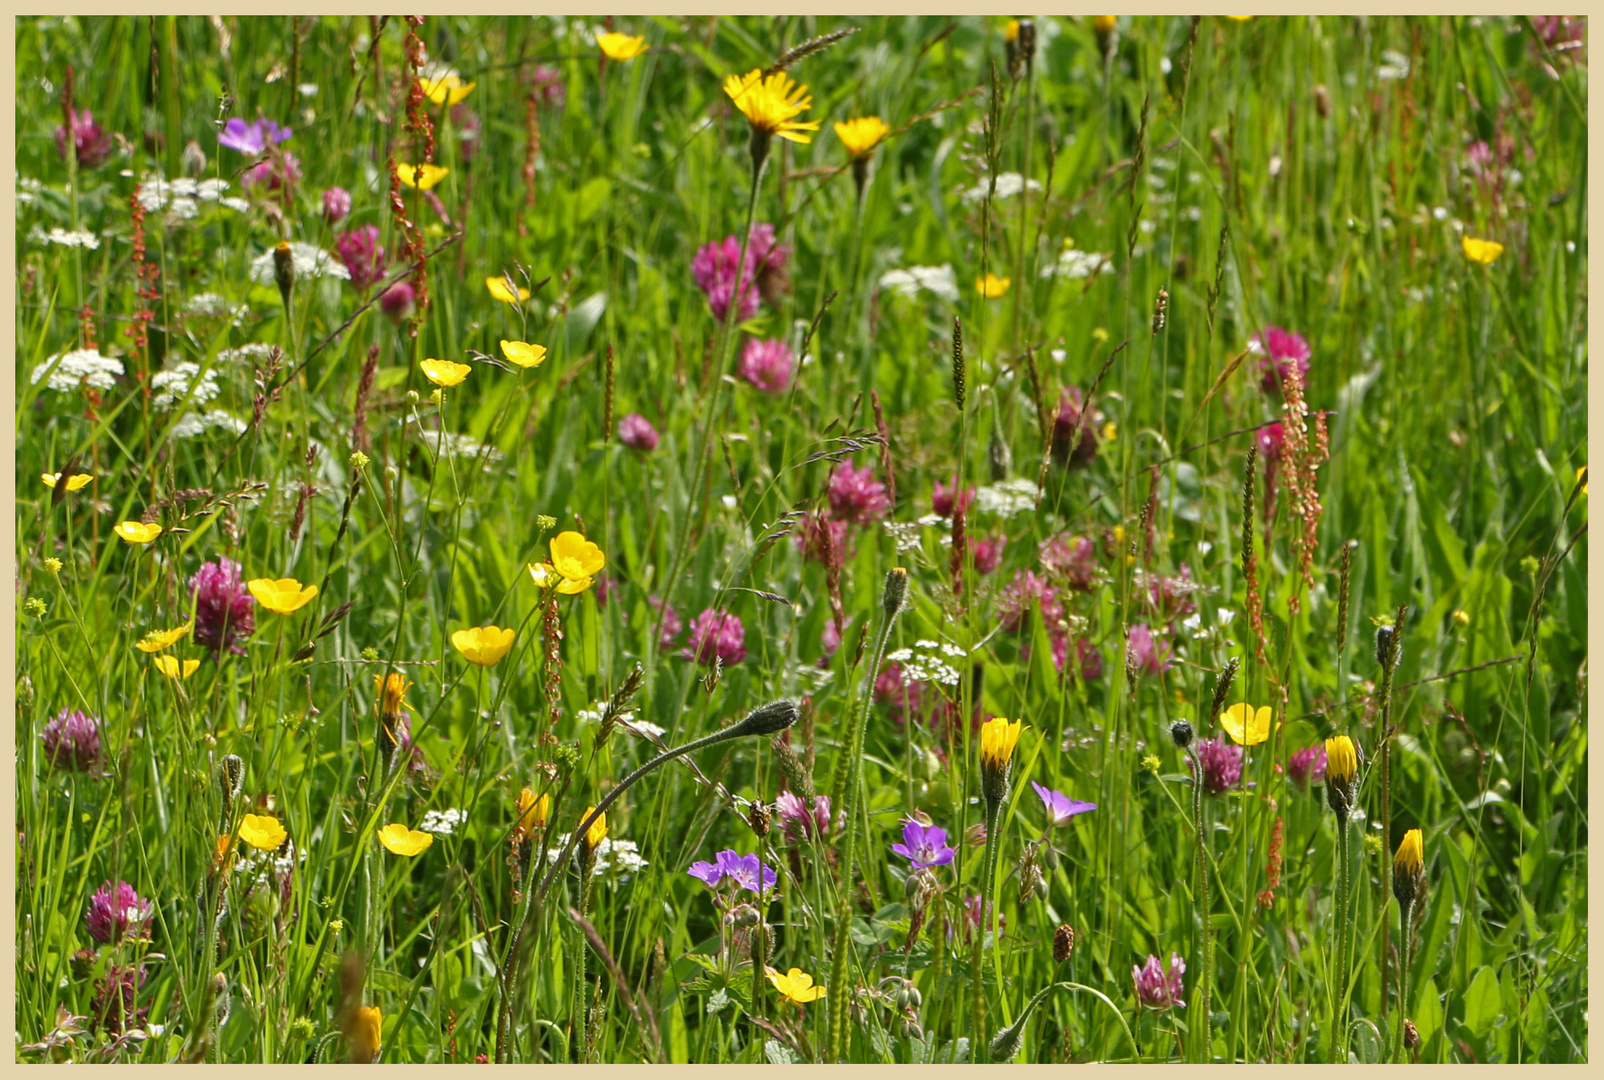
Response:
column 796, row 985
column 1481, row 251
column 621, row 46
column 74, row 482
column 998, row 738
column 446, row 90
column 483, row 645
column 1342, row 761
column 390, row 688
column 1110, row 431
column 283, row 596
column 137, row 532
column 262, row 831
column 521, row 353
column 771, row 105
column 363, row 1032
column 1409, row 868
column 577, row 560
column 400, row 840
column 1103, row 24
column 597, row 831
column 174, row 668
column 1011, row 31
column 444, row 372
column 862, row 135
column 1245, row 725
column 502, row 288
column 991, row 286
column 532, row 812
column 422, row 177
column 158, row 640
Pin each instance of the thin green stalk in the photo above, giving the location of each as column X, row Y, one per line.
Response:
column 1205, row 982
column 1339, row 1041
column 1403, row 978
column 988, row 913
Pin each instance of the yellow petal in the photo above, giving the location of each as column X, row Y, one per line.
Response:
column 483, row 645
column 621, row 46
column 262, row 831
column 521, row 353
column 74, row 483
column 574, row 557
column 1481, row 251
column 571, row 586
column 173, row 668
column 283, row 596
column 446, row 90
column 423, row 177
column 444, row 372
column 400, row 840
column 503, row 289
column 158, row 640
column 991, row 286
column 135, row 532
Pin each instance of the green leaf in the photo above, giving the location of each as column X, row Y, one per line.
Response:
column 1534, row 1023
column 1427, row 1015
column 778, row 1053
column 1481, row 1003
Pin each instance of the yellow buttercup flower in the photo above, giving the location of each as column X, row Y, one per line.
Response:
column 577, row 560
column 991, row 286
column 174, row 668
column 444, row 372
column 1110, row 431
column 447, row 89
column 1481, row 251
column 597, row 831
column 997, row 741
column 136, row 532
column 1581, row 474
column 1239, row 18
column 502, row 288
column 522, row 353
column 262, row 831
column 796, row 985
column 283, row 596
column 771, row 105
column 483, row 645
column 400, row 840
column 159, row 640
column 621, row 46
column 532, row 812
column 862, row 135
column 423, row 177
column 363, row 1032
column 544, row 576
column 1246, row 726
column 74, row 483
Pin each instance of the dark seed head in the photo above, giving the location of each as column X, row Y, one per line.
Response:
column 1181, row 733
column 1063, row 942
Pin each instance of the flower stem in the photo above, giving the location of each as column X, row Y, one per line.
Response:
column 1403, row 978
column 1339, row 1042
column 1205, row 970
column 988, row 919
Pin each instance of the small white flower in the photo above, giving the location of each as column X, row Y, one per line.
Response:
column 174, row 386
column 309, row 261
column 1394, row 65
column 68, row 370
column 442, row 822
column 1058, row 355
column 930, row 520
column 252, row 354
column 192, row 424
column 1225, row 615
column 1008, row 498
column 924, row 643
column 28, row 189
column 904, row 533
column 953, row 650
column 1440, row 213
column 1074, row 263
column 77, row 238
column 940, row 280
column 899, row 656
column 1008, row 185
column 644, row 728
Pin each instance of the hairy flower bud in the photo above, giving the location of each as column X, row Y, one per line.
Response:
column 1181, row 733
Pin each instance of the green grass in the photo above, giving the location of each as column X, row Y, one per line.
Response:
column 1312, row 174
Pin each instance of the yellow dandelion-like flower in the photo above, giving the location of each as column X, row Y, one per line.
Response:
column 76, row 482
column 532, row 812
column 1342, row 760
column 771, row 105
column 283, row 596
column 160, row 640
column 621, row 46
column 446, row 90
column 400, row 840
column 262, row 831
column 991, row 286
column 363, row 1031
column 422, row 177
column 444, row 372
column 390, row 689
column 174, row 668
column 483, row 645
column 998, row 738
column 1246, row 726
column 1103, row 24
column 1481, row 251
column 862, row 135
column 136, row 532
column 597, row 831
column 522, row 353
column 502, row 288
column 1581, row 474
column 796, row 985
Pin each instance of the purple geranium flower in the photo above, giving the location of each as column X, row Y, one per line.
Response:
column 1061, row 807
column 925, row 846
column 225, row 612
column 252, row 138
column 743, row 871
column 1156, row 988
column 117, row 912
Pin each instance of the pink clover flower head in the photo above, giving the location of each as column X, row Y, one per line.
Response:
column 362, row 255
column 856, row 496
column 225, row 611
column 117, row 913
column 1279, row 352
column 1145, row 653
column 716, row 633
column 72, row 741
column 766, row 364
column 1157, row 988
column 637, row 433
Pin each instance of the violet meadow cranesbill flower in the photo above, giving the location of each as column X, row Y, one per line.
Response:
column 117, row 912
column 856, row 496
column 225, row 611
column 72, row 741
column 1060, row 807
column 1222, row 764
column 716, row 633
column 1307, row 766
column 766, row 364
column 363, row 256
column 637, row 433
column 1156, row 988
column 741, row 871
column 1279, row 352
column 253, row 138
column 924, row 846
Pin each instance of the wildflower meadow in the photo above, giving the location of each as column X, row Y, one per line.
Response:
column 787, row 539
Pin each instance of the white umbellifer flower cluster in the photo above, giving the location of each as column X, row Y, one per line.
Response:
column 1009, row 184
column 28, row 189
column 904, row 533
column 309, row 261
column 442, row 822
column 454, row 444
column 192, row 424
column 173, row 386
column 1394, row 65
column 936, row 279
column 1075, row 263
column 81, row 366
column 76, row 238
column 1008, row 498
column 926, row 664
column 184, row 195
column 250, row 355
column 257, row 865
column 621, row 857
